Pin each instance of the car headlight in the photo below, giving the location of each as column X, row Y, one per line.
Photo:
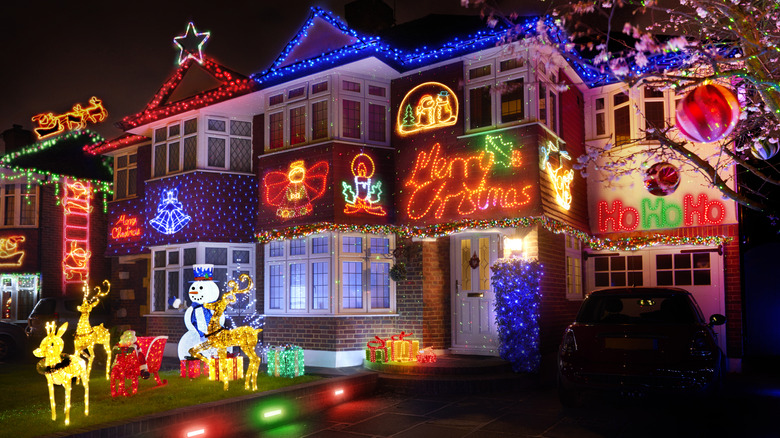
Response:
column 569, row 343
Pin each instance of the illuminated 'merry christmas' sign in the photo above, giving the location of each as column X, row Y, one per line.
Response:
column 658, row 213
column 10, row 255
column 292, row 192
column 125, row 227
column 363, row 194
column 170, row 217
column 49, row 124
column 437, row 182
column 427, row 106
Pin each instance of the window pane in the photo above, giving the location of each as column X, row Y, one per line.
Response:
column 120, row 189
column 220, row 277
column 173, row 286
column 216, row 152
column 319, row 245
column 319, row 122
column 701, row 260
column 276, row 286
column 28, row 207
column 663, row 261
column 352, row 285
column 188, row 277
column 634, row 263
column 217, row 125
column 240, row 256
column 601, row 264
column 554, row 111
column 131, row 178
column 159, row 259
column 276, row 248
column 682, row 278
column 617, row 263
column 121, row 161
column 319, row 87
column 682, row 261
column 620, row 98
column 297, row 125
column 622, row 126
column 479, row 107
column 276, row 130
column 377, row 118
column 664, row 278
column 352, row 245
column 635, row 278
column 276, row 100
column 380, row 285
column 510, row 64
column 600, row 103
column 159, row 160
column 216, row 256
column 654, row 115
column 243, row 129
column 380, row 245
column 190, row 152
column 173, row 130
column 240, row 154
column 189, row 256
column 298, row 286
column 298, row 247
column 190, row 126
column 159, row 290
column 602, row 279
column 601, row 124
column 377, row 91
column 512, row 101
column 479, row 72
column 297, row 92
column 351, row 118
column 351, row 86
column 159, row 135
column 319, row 284
column 173, row 157
column 618, row 279
column 542, row 103
column 701, row 277
column 173, row 258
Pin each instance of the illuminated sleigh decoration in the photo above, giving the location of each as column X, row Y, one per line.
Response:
column 128, row 366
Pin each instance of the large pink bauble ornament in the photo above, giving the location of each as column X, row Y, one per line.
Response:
column 707, row 114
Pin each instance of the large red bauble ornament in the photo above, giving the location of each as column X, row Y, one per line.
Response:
column 708, row 113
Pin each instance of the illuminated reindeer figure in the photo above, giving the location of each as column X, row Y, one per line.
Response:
column 60, row 369
column 86, row 335
column 220, row 338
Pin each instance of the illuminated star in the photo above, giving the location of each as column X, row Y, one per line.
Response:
column 191, row 44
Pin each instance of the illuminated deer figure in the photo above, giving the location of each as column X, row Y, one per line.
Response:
column 60, row 369
column 86, row 335
column 220, row 338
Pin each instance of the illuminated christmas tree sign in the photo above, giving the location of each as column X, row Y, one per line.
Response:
column 429, row 105
column 49, row 124
column 292, row 192
column 10, row 255
column 438, row 181
column 363, row 194
column 170, row 214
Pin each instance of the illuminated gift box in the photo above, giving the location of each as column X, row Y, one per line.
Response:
column 402, row 350
column 191, row 368
column 235, row 368
column 285, row 361
column 426, row 355
column 376, row 350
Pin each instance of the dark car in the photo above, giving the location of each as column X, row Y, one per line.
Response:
column 639, row 341
column 60, row 310
column 13, row 342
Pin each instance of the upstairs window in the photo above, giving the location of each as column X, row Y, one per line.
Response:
column 19, row 205
column 496, row 92
column 229, row 144
column 655, row 109
column 622, row 118
column 175, row 148
column 125, row 174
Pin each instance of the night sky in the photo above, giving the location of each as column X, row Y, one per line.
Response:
column 57, row 53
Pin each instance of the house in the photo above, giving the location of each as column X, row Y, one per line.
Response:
column 53, row 198
column 368, row 183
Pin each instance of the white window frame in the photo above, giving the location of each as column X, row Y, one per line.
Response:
column 127, row 167
column 168, row 142
column 227, row 136
column 334, row 258
column 574, row 289
column 494, row 79
column 550, row 84
column 667, row 100
column 13, row 289
column 17, row 200
column 200, row 258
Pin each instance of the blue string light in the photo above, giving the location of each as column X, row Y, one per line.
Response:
column 517, row 285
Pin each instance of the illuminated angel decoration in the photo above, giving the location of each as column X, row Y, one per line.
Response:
column 365, row 194
column 170, row 214
column 292, row 192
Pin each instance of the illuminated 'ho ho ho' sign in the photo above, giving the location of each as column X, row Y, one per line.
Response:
column 429, row 105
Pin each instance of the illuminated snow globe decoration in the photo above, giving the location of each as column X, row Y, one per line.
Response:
column 662, row 179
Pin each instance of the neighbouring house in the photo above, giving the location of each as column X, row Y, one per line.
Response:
column 368, row 183
column 53, row 201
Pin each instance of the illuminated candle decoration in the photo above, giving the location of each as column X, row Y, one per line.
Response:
column 170, row 213
column 286, row 361
column 77, row 206
column 61, row 369
column 363, row 194
column 49, row 124
column 191, row 44
column 86, row 335
column 126, row 227
column 292, row 192
column 561, row 179
column 429, row 105
column 10, row 254
column 438, row 182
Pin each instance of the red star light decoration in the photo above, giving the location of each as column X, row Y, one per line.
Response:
column 191, row 44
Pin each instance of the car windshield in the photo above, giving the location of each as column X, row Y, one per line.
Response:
column 637, row 309
column 44, row 307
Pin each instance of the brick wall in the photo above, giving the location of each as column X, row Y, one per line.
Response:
column 437, row 330
column 130, row 295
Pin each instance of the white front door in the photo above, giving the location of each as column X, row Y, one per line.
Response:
column 473, row 301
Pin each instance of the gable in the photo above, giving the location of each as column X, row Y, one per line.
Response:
column 317, row 37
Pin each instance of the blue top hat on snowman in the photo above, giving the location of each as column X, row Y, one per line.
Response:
column 203, row 272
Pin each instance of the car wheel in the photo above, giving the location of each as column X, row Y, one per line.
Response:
column 7, row 348
column 569, row 397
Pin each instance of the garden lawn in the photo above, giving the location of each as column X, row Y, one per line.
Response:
column 25, row 409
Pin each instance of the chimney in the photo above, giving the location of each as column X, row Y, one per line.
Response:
column 16, row 138
column 369, row 16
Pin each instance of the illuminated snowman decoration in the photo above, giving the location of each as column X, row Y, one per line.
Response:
column 203, row 290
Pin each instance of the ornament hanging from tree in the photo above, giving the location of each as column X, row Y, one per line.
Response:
column 764, row 150
column 707, row 114
column 662, row 179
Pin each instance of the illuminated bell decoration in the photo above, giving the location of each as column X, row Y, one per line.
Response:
column 662, row 179
column 707, row 114
column 170, row 214
column 764, row 150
